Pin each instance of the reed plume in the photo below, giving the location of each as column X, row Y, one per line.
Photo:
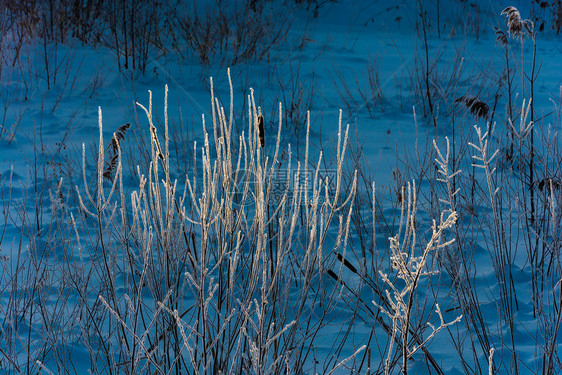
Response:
column 113, row 150
column 516, row 26
column 501, row 38
column 477, row 107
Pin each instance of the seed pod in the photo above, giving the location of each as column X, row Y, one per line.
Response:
column 261, row 131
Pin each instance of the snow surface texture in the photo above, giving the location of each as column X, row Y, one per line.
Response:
column 156, row 233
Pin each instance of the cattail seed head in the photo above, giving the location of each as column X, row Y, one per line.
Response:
column 261, row 131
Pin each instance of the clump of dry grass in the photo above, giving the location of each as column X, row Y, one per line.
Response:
column 213, row 298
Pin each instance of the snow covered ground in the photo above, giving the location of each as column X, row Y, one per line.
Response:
column 502, row 273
